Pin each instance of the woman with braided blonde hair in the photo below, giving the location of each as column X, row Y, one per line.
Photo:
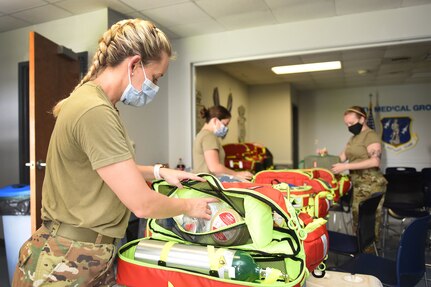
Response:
column 92, row 182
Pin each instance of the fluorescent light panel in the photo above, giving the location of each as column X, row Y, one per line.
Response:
column 303, row 68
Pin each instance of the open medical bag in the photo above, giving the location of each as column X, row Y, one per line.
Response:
column 306, row 192
column 253, row 229
column 310, row 194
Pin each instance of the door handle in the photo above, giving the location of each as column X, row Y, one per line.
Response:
column 40, row 164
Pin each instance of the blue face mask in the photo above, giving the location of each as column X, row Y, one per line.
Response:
column 221, row 131
column 134, row 97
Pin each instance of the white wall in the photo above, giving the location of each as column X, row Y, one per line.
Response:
column 360, row 30
column 79, row 33
column 270, row 120
column 147, row 126
column 167, row 131
column 321, row 120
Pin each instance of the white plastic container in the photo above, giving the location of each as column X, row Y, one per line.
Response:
column 15, row 210
column 341, row 279
column 16, row 229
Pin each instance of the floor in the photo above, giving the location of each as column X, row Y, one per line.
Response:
column 389, row 251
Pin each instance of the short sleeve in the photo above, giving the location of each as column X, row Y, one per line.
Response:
column 101, row 136
column 372, row 137
column 209, row 142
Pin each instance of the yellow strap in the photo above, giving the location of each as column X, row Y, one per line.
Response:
column 272, row 276
column 165, row 251
column 216, row 258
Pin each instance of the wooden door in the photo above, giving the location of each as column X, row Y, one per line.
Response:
column 53, row 73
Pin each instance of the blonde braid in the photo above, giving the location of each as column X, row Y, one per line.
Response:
column 124, row 39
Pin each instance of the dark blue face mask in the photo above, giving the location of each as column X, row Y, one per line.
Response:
column 356, row 128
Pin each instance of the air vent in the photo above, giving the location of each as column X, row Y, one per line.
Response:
column 396, row 72
column 400, row 59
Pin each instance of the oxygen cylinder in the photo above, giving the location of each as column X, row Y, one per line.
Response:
column 225, row 263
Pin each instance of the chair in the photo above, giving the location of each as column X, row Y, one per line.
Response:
column 365, row 234
column 343, row 206
column 405, row 198
column 400, row 169
column 409, row 266
column 426, row 175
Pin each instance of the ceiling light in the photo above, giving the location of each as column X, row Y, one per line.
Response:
column 303, row 68
column 362, row 72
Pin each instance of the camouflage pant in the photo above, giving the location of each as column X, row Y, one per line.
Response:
column 365, row 184
column 46, row 260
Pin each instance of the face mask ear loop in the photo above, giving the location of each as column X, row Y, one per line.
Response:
column 145, row 74
column 128, row 75
column 215, row 124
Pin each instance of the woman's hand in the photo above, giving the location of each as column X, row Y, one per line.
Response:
column 199, row 208
column 246, row 175
column 339, row 168
column 174, row 177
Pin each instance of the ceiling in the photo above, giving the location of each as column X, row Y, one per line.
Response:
column 184, row 18
column 389, row 65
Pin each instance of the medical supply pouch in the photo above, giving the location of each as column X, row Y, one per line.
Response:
column 323, row 174
column 316, row 244
column 340, row 183
column 306, row 193
column 249, row 227
column 345, row 185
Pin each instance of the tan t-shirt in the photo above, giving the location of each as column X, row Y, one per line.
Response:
column 356, row 149
column 88, row 135
column 205, row 140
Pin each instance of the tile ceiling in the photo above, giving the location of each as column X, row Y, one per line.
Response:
column 184, row 18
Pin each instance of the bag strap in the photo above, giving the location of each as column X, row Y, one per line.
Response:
column 165, row 252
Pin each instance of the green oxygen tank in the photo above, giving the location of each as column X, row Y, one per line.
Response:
column 223, row 263
column 245, row 267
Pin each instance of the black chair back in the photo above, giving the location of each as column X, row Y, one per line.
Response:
column 404, row 190
column 400, row 169
column 426, row 174
column 366, row 221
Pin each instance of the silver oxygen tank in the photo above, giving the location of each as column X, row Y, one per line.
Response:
column 190, row 257
column 226, row 263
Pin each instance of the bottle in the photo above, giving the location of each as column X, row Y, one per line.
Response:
column 232, row 264
column 181, row 165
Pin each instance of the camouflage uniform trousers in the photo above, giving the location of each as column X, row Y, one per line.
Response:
column 365, row 184
column 46, row 260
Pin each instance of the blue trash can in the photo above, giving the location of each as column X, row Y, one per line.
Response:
column 15, row 212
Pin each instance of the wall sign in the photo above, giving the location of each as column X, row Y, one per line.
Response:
column 396, row 133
